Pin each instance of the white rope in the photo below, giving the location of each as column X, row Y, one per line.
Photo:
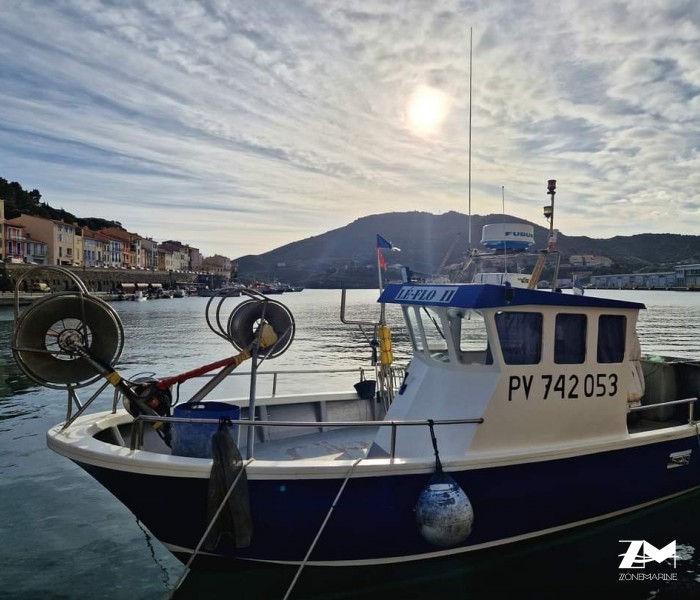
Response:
column 320, row 531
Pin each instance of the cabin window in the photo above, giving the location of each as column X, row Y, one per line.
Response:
column 611, row 338
column 434, row 335
column 520, row 336
column 414, row 328
column 468, row 331
column 570, row 339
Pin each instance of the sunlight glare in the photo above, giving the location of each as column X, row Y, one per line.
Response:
column 427, row 110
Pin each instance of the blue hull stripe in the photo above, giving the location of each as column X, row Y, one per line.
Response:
column 374, row 518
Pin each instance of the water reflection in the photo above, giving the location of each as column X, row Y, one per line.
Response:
column 14, row 384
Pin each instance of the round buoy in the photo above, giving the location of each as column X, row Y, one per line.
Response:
column 444, row 513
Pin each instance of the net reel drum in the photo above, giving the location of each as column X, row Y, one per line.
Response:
column 58, row 338
column 249, row 320
column 246, row 319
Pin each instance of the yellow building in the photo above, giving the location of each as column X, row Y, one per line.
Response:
column 58, row 236
column 218, row 265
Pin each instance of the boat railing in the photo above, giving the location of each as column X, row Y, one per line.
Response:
column 387, row 386
column 688, row 401
column 388, row 383
column 137, row 425
column 276, row 374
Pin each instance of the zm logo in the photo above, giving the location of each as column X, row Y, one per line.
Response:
column 641, row 552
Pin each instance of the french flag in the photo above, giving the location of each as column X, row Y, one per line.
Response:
column 383, row 244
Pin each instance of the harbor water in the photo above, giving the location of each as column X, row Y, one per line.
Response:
column 63, row 536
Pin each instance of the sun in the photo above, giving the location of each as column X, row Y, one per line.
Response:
column 427, row 110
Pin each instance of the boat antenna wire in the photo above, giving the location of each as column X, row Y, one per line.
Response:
column 505, row 244
column 205, row 535
column 323, row 526
column 469, row 183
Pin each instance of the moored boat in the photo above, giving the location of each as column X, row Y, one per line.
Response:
column 521, row 413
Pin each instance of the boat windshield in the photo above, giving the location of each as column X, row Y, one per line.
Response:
column 434, row 328
column 471, row 340
column 448, row 335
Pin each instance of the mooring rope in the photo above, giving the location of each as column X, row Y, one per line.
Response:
column 209, row 528
column 433, row 439
column 320, row 531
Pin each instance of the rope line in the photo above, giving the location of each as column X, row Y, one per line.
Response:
column 320, row 531
column 209, row 527
column 438, row 464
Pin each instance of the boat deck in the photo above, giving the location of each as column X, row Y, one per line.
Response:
column 330, row 444
column 346, row 443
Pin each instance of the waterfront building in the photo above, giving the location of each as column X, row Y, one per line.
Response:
column 196, row 259
column 149, row 254
column 36, row 252
column 589, row 260
column 14, row 236
column 78, row 247
column 58, row 236
column 165, row 259
column 683, row 277
column 130, row 246
column 180, row 254
column 115, row 252
column 688, row 276
column 218, row 265
column 100, row 249
column 2, row 229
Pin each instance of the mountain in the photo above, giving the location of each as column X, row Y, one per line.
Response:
column 347, row 256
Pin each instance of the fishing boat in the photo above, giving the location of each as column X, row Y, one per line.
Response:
column 522, row 412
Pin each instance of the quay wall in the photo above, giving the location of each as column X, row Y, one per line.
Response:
column 97, row 280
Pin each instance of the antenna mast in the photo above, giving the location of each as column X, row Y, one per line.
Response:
column 505, row 244
column 469, row 185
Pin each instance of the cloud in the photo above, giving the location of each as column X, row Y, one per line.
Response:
column 172, row 115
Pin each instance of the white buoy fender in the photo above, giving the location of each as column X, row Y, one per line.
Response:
column 444, row 513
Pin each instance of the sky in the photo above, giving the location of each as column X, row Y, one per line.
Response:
column 238, row 126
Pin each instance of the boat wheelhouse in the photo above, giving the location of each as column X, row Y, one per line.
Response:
column 540, row 368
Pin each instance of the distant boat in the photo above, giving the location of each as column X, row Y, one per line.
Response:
column 223, row 291
column 267, row 288
column 229, row 290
